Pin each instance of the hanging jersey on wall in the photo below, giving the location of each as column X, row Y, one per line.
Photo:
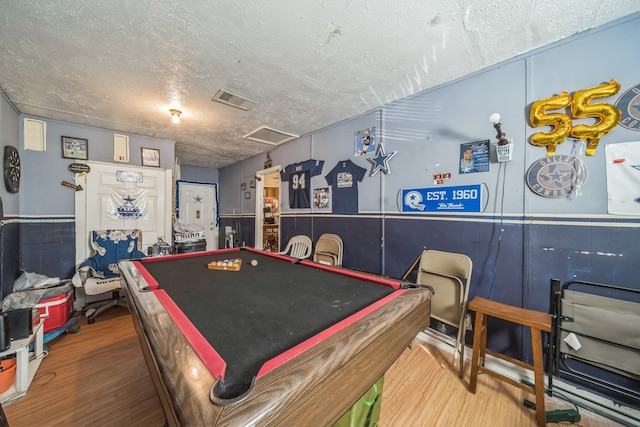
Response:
column 343, row 179
column 299, row 177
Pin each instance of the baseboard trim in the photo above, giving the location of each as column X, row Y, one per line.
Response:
column 582, row 398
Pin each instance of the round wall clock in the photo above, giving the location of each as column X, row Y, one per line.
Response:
column 12, row 169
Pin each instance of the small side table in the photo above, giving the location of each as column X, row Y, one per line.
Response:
column 537, row 322
column 25, row 369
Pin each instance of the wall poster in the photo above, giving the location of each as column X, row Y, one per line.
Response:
column 321, row 198
column 365, row 141
column 474, row 157
column 623, row 178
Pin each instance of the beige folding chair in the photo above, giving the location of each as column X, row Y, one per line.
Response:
column 328, row 250
column 449, row 274
column 298, row 247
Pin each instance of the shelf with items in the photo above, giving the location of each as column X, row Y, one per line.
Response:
column 270, row 237
column 270, row 228
column 271, row 211
column 26, row 364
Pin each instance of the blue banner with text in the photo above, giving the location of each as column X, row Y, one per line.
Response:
column 464, row 198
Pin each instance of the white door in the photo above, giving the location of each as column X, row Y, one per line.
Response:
column 123, row 197
column 197, row 205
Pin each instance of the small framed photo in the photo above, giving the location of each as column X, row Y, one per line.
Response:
column 247, row 195
column 150, row 157
column 252, row 184
column 75, row 148
column 243, row 186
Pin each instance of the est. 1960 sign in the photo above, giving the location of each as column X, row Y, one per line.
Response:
column 465, row 198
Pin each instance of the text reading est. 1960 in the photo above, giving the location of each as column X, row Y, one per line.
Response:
column 467, row 194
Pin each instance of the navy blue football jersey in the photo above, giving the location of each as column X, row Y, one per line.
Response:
column 343, row 179
column 299, row 177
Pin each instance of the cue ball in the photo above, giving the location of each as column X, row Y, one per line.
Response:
column 254, row 262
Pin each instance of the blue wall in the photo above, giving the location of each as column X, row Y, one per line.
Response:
column 521, row 240
column 9, row 231
column 39, row 221
column 198, row 174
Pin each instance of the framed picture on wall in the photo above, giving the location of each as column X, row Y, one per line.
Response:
column 75, row 148
column 150, row 157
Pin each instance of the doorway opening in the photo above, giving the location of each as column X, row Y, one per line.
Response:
column 197, row 209
column 267, row 235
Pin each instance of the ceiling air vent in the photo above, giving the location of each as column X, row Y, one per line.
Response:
column 226, row 97
column 269, row 136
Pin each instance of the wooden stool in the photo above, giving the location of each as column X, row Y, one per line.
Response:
column 537, row 321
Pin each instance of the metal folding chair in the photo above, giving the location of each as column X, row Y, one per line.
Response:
column 449, row 274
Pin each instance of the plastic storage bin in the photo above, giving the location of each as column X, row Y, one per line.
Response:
column 366, row 411
column 55, row 311
column 8, row 374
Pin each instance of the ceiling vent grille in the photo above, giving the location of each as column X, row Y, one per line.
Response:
column 269, row 136
column 229, row 98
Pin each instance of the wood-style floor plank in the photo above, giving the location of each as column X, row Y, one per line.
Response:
column 422, row 390
column 98, row 377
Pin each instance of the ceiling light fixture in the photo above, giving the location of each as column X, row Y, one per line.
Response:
column 175, row 115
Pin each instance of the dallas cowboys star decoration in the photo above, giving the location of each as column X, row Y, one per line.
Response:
column 381, row 161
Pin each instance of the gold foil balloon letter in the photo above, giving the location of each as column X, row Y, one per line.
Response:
column 560, row 122
column 608, row 115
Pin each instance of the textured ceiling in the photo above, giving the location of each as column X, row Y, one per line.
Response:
column 122, row 64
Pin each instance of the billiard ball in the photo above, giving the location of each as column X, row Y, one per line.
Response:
column 254, row 262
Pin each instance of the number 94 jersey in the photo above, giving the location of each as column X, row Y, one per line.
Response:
column 299, row 177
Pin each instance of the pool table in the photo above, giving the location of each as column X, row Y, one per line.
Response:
column 281, row 342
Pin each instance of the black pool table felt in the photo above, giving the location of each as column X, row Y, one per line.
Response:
column 252, row 315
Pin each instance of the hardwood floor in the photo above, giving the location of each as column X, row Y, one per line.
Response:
column 422, row 389
column 98, row 377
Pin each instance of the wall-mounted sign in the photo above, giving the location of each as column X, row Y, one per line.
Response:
column 79, row 168
column 557, row 176
column 381, row 161
column 440, row 178
column 463, row 198
column 72, row 186
column 129, row 176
